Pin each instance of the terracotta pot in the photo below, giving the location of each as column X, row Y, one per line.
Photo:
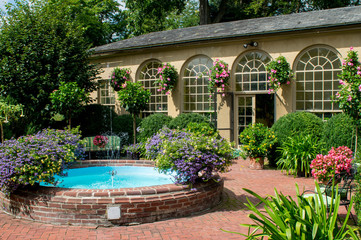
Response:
column 256, row 163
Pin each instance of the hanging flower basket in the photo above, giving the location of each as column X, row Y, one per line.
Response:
column 280, row 73
column 118, row 77
column 167, row 79
column 219, row 77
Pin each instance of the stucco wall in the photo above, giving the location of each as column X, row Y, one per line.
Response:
column 289, row 45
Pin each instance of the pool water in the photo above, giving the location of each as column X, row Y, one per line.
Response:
column 101, row 178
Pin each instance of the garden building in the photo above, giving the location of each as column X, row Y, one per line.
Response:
column 313, row 43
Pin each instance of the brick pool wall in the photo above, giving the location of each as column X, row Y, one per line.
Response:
column 89, row 206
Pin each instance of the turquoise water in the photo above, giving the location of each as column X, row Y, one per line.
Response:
column 100, row 178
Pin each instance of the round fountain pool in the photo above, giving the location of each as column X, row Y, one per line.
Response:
column 110, row 177
column 116, row 206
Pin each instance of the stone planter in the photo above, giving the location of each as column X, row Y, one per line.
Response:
column 256, row 163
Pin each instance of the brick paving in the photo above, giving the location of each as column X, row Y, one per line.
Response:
column 207, row 225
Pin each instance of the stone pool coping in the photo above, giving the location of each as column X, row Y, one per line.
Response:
column 92, row 206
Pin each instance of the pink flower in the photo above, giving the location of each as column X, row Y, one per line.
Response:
column 359, row 88
column 349, row 98
column 338, row 95
column 350, row 63
column 279, row 61
column 341, row 82
column 288, row 83
column 351, row 48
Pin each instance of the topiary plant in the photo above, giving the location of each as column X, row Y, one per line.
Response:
column 339, row 130
column 182, row 120
column 296, row 123
column 151, row 125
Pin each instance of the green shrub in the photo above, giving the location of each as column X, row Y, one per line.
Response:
column 339, row 130
column 305, row 218
column 124, row 123
column 182, row 120
column 297, row 123
column 151, row 125
column 257, row 139
column 297, row 153
column 202, row 129
column 94, row 120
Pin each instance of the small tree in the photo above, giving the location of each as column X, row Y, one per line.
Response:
column 7, row 112
column 349, row 96
column 69, row 99
column 134, row 98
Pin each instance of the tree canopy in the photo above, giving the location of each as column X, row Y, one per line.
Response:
column 41, row 47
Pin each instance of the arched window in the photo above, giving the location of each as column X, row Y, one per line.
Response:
column 195, row 83
column 250, row 72
column 316, row 80
column 158, row 102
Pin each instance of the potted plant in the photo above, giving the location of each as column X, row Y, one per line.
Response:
column 167, row 80
column 280, row 73
column 257, row 140
column 219, row 76
column 324, row 167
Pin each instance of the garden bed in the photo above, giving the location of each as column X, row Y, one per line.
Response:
column 111, row 206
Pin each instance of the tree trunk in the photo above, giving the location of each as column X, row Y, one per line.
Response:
column 204, row 15
column 134, row 129
column 221, row 11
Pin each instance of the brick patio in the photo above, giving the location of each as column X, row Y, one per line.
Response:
column 228, row 215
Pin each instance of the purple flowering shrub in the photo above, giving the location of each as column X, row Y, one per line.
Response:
column 36, row 158
column 193, row 157
column 153, row 146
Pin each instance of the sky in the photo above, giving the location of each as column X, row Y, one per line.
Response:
column 3, row 2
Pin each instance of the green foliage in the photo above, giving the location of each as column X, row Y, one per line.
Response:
column 219, row 76
column 349, row 96
column 305, row 218
column 134, row 97
column 183, row 119
column 69, row 99
column 7, row 112
column 357, row 195
column 297, row 154
column 151, row 125
column 280, row 73
column 202, row 129
column 339, row 130
column 257, row 140
column 41, row 47
column 124, row 123
column 297, row 123
column 150, row 15
column 100, row 20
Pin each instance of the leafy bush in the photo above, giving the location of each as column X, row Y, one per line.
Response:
column 202, row 129
column 124, row 123
column 36, row 158
column 151, row 125
column 194, row 158
column 297, row 123
column 306, row 218
column 292, row 124
column 339, row 130
column 154, row 145
column 95, row 119
column 183, row 119
column 297, row 154
column 257, row 139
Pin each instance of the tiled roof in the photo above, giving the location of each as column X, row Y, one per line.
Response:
column 249, row 27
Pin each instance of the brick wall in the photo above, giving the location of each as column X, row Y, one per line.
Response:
column 89, row 206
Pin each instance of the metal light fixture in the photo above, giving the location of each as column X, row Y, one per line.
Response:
column 252, row 44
